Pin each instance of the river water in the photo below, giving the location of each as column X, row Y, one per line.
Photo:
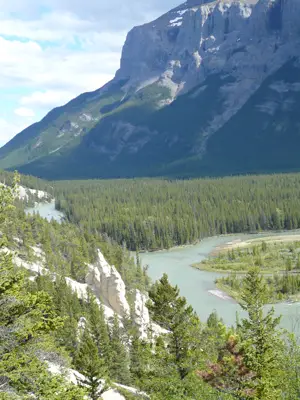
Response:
column 46, row 210
column 194, row 284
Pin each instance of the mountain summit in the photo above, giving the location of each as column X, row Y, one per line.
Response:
column 209, row 88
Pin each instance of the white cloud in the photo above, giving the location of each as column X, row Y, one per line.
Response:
column 49, row 98
column 24, row 112
column 113, row 14
column 57, row 27
column 9, row 129
column 29, row 65
column 56, row 49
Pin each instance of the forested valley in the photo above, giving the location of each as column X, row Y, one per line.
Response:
column 43, row 322
column 157, row 214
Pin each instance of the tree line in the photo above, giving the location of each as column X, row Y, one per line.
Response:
column 154, row 214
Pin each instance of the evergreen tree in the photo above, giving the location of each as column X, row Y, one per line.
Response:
column 141, row 360
column 99, row 330
column 119, row 371
column 171, row 311
column 261, row 341
column 91, row 366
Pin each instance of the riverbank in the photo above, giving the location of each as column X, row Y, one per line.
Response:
column 199, row 286
column 235, row 294
column 239, row 243
column 274, row 253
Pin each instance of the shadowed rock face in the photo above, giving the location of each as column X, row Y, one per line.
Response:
column 182, row 79
column 276, row 15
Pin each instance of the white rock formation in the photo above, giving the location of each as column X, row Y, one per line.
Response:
column 112, row 394
column 107, row 285
column 142, row 318
column 24, row 193
column 73, row 376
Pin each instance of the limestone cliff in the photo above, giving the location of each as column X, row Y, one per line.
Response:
column 190, row 85
column 108, row 287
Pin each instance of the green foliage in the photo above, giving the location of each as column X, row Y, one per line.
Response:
column 119, row 370
column 172, row 313
column 281, row 254
column 99, row 331
column 280, row 287
column 27, row 319
column 39, row 321
column 155, row 214
column 88, row 362
column 261, row 342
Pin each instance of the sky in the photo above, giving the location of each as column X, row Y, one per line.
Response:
column 54, row 50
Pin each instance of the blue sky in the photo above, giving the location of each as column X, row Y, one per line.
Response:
column 53, row 50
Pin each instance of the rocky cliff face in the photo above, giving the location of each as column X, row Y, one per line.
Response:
column 108, row 287
column 183, row 78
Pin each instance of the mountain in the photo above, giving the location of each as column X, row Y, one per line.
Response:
column 209, row 88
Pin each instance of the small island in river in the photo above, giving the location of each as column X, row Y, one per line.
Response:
column 277, row 257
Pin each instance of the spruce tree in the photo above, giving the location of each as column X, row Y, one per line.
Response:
column 99, row 329
column 171, row 312
column 91, row 366
column 119, row 370
column 141, row 360
column 261, row 341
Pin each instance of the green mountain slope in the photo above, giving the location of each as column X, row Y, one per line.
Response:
column 206, row 89
column 263, row 136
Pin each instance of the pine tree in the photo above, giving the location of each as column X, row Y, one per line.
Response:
column 119, row 370
column 91, row 366
column 26, row 319
column 261, row 341
column 99, row 329
column 171, row 311
column 140, row 359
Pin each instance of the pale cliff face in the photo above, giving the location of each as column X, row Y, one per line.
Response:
column 243, row 41
column 108, row 287
column 199, row 38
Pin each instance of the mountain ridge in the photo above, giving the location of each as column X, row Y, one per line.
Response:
column 188, row 77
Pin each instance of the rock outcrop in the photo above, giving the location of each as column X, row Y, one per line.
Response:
column 142, row 318
column 75, row 377
column 107, row 285
column 25, row 193
column 141, row 312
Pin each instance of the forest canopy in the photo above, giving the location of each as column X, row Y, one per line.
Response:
column 155, row 214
